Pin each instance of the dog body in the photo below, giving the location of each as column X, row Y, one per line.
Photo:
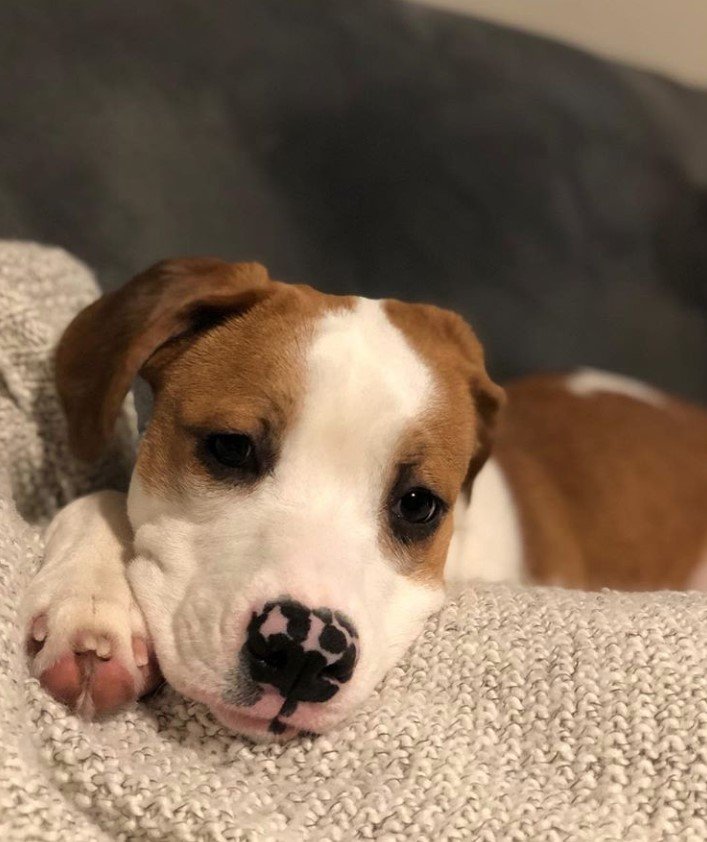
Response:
column 314, row 468
column 596, row 481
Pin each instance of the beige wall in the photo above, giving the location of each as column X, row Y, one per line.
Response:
column 665, row 35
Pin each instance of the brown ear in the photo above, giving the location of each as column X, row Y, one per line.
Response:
column 489, row 398
column 444, row 335
column 108, row 343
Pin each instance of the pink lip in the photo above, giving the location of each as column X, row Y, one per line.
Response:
column 257, row 720
column 245, row 724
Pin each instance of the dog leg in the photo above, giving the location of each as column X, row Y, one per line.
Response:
column 86, row 637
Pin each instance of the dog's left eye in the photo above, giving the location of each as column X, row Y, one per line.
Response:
column 418, row 506
column 234, row 450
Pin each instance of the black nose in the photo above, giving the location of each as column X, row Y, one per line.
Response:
column 307, row 654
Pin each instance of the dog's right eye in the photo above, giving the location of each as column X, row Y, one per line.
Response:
column 233, row 450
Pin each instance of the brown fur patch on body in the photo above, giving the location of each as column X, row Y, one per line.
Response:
column 611, row 491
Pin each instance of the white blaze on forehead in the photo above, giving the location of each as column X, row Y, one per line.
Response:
column 590, row 381
column 364, row 384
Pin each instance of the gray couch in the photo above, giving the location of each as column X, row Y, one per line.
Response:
column 557, row 200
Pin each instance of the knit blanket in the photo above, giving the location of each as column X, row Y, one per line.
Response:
column 519, row 714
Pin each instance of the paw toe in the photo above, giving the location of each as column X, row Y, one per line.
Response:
column 38, row 630
column 104, row 647
column 146, row 661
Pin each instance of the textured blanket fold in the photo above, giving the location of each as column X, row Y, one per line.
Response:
column 519, row 714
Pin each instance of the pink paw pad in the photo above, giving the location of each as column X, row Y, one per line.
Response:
column 90, row 678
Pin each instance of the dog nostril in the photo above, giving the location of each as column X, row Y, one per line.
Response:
column 337, row 671
column 270, row 651
column 342, row 668
column 274, row 660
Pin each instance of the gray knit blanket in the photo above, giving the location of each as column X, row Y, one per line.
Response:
column 519, row 714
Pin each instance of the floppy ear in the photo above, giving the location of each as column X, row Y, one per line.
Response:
column 488, row 397
column 108, row 343
column 445, row 335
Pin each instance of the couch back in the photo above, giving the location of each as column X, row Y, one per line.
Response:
column 557, row 200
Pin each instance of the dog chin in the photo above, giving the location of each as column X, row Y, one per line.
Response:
column 262, row 723
column 268, row 729
column 255, row 728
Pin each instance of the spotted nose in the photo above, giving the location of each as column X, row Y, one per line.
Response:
column 305, row 653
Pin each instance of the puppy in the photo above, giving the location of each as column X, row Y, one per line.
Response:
column 314, row 468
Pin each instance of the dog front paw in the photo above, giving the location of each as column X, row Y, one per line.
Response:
column 89, row 651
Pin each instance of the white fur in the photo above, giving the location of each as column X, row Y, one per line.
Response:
column 311, row 530
column 590, row 381
column 487, row 541
column 81, row 589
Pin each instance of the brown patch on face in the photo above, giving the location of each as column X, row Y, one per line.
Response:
column 446, row 447
column 242, row 376
column 433, row 455
column 610, row 491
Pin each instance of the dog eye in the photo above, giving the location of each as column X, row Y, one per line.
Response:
column 418, row 506
column 234, row 450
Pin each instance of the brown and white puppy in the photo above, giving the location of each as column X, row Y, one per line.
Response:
column 313, row 469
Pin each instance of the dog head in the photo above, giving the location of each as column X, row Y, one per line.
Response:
column 293, row 491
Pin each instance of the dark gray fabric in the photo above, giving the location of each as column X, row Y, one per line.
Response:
column 556, row 200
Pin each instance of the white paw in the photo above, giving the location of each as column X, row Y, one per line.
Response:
column 86, row 638
column 90, row 650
